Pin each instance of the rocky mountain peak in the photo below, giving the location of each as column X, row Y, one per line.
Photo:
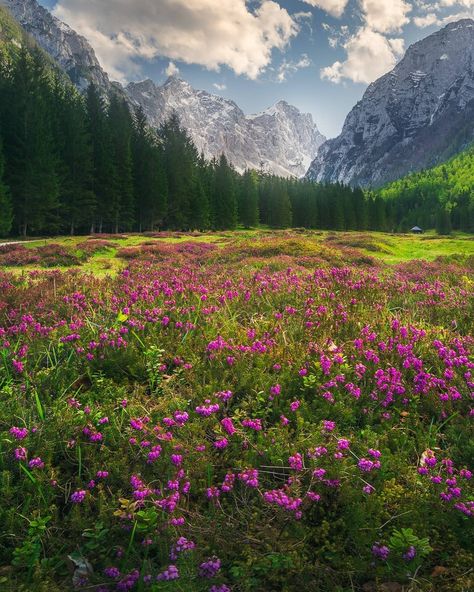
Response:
column 417, row 115
column 282, row 140
column 71, row 51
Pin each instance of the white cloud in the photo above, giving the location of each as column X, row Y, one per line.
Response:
column 465, row 3
column 172, row 69
column 290, row 67
column 385, row 16
column 212, row 33
column 369, row 56
column 219, row 87
column 333, row 7
column 427, row 20
column 439, row 13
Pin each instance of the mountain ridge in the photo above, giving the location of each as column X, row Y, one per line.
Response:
column 283, row 144
column 410, row 118
column 279, row 139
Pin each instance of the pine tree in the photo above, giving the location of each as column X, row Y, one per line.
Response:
column 280, row 215
column 102, row 160
column 225, row 208
column 149, row 176
column 6, row 212
column 443, row 221
column 360, row 208
column 377, row 214
column 338, row 214
column 205, row 180
column 180, row 158
column 350, row 217
column 31, row 156
column 120, row 125
column 200, row 212
column 73, row 142
column 248, row 200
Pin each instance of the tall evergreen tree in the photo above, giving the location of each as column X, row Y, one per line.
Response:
column 225, row 201
column 248, row 200
column 180, row 157
column 200, row 211
column 149, row 176
column 443, row 221
column 120, row 125
column 280, row 215
column 103, row 179
column 360, row 208
column 73, row 142
column 31, row 156
column 6, row 212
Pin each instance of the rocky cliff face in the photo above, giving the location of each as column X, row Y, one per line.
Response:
column 416, row 116
column 281, row 140
column 69, row 50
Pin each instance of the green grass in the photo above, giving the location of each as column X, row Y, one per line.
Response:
column 388, row 248
column 400, row 248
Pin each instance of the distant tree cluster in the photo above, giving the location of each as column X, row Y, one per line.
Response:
column 441, row 197
column 83, row 164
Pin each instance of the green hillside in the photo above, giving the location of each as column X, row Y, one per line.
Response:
column 11, row 33
column 441, row 197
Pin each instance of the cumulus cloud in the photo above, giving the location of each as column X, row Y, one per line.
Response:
column 371, row 52
column 465, row 3
column 369, row 55
column 427, row 20
column 441, row 13
column 333, row 7
column 172, row 69
column 220, row 87
column 385, row 17
column 290, row 67
column 212, row 33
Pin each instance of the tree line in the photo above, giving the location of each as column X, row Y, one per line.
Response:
column 441, row 197
column 90, row 164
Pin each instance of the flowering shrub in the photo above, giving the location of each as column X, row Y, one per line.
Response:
column 196, row 424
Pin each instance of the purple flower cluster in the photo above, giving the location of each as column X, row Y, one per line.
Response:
column 210, row 568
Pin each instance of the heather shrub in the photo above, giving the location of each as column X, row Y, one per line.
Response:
column 207, row 423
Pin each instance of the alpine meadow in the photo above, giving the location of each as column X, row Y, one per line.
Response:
column 236, row 345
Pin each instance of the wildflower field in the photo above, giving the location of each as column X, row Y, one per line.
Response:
column 265, row 412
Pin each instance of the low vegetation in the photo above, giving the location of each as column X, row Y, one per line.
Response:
column 187, row 421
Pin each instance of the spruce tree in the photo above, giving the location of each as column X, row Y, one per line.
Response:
column 103, row 178
column 149, row 176
column 180, row 158
column 248, row 200
column 73, row 141
column 6, row 212
column 360, row 208
column 279, row 212
column 443, row 221
column 200, row 211
column 120, row 125
column 225, row 201
column 31, row 156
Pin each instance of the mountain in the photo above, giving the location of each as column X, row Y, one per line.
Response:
column 70, row 51
column 416, row 116
column 282, row 140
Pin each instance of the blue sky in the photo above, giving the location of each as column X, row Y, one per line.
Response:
column 319, row 55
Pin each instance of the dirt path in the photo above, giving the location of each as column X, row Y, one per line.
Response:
column 15, row 243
